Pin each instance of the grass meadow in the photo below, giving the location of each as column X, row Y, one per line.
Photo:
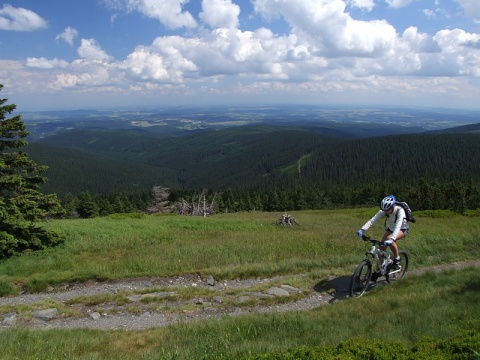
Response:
column 250, row 245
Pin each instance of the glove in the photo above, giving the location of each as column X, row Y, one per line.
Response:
column 360, row 232
column 388, row 242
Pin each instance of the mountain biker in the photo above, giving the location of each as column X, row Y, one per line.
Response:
column 396, row 227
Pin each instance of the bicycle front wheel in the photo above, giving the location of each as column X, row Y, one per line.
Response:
column 361, row 279
column 395, row 275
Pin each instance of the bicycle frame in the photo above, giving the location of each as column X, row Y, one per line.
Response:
column 382, row 259
column 374, row 256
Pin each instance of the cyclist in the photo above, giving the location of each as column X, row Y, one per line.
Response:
column 396, row 227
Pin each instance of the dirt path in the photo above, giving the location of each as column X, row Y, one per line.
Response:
column 148, row 307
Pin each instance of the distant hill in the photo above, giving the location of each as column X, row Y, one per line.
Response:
column 465, row 129
column 261, row 156
column 73, row 171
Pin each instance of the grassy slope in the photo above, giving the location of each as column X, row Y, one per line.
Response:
column 412, row 313
column 231, row 245
column 250, row 245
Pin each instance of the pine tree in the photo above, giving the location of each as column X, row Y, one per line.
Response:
column 22, row 205
column 87, row 206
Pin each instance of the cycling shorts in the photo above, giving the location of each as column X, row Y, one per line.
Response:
column 405, row 231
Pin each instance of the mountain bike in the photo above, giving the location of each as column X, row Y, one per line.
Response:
column 363, row 273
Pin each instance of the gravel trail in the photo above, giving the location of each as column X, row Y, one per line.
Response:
column 109, row 316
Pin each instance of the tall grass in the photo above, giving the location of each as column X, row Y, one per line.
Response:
column 228, row 246
column 434, row 305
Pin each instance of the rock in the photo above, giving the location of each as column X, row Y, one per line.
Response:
column 260, row 295
column 217, row 299
column 10, row 318
column 291, row 289
column 237, row 311
column 243, row 299
column 95, row 315
column 277, row 291
column 211, row 280
column 135, row 298
column 140, row 297
column 45, row 315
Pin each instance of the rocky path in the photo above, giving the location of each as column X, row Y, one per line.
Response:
column 153, row 302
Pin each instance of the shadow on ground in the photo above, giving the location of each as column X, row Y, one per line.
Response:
column 339, row 287
column 336, row 287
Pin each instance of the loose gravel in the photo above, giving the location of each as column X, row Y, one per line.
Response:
column 171, row 312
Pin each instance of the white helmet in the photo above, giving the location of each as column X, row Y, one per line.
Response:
column 388, row 202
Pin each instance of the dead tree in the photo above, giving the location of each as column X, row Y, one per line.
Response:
column 182, row 207
column 287, row 220
column 198, row 206
column 160, row 203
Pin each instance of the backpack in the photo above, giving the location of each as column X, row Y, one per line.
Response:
column 408, row 211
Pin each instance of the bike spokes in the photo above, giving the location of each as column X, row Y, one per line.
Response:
column 397, row 274
column 360, row 279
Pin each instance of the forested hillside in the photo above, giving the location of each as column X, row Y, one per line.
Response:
column 399, row 159
column 270, row 167
column 72, row 171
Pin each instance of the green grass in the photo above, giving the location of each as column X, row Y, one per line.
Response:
column 227, row 246
column 432, row 306
column 435, row 305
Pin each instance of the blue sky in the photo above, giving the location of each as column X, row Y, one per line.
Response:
column 67, row 54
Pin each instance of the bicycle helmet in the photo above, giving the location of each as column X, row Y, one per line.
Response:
column 388, row 202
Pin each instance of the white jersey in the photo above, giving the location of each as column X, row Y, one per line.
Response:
column 396, row 221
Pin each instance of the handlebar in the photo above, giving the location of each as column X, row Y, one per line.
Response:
column 373, row 241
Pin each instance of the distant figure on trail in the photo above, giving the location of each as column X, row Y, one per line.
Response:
column 396, row 228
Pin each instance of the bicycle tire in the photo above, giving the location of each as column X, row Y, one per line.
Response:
column 360, row 279
column 394, row 277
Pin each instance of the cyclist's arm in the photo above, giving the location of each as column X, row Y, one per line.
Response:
column 380, row 214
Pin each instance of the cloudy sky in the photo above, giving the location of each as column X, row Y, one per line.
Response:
column 59, row 54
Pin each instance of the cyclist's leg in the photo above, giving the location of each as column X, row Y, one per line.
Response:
column 385, row 236
column 394, row 246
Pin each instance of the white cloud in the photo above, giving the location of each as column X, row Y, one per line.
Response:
column 420, row 42
column 328, row 27
column 68, row 35
column 42, row 63
column 220, row 13
column 65, row 81
column 398, row 3
column 471, row 7
column 362, row 4
column 461, row 50
column 168, row 12
column 91, row 50
column 327, row 51
column 88, row 75
column 20, row 19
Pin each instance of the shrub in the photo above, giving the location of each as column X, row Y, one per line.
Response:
column 7, row 289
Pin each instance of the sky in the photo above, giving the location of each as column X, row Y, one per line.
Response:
column 77, row 54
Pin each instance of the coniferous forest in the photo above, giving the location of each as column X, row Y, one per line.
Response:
column 266, row 168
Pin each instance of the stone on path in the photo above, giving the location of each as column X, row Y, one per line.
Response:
column 276, row 291
column 45, row 315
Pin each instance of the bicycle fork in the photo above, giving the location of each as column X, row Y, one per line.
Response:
column 386, row 256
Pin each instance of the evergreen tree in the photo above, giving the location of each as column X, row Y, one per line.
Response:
column 87, row 206
column 69, row 203
column 22, row 206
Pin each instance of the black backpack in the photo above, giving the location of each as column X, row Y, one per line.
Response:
column 408, row 211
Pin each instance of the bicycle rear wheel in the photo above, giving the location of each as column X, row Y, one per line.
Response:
column 360, row 279
column 393, row 276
